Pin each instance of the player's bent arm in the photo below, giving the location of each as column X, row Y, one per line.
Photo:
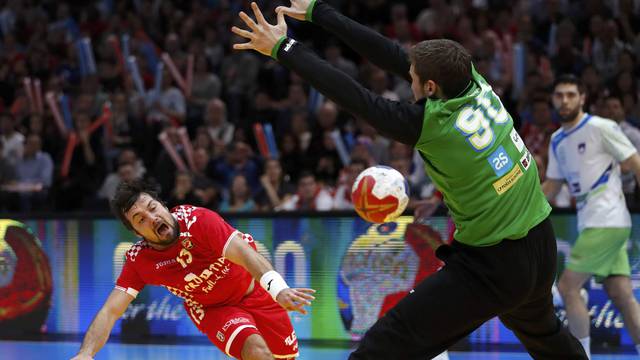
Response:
column 399, row 121
column 632, row 163
column 551, row 188
column 102, row 324
column 240, row 252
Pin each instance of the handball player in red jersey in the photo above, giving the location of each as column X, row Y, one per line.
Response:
column 230, row 291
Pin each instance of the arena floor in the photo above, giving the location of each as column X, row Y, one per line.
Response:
column 28, row 350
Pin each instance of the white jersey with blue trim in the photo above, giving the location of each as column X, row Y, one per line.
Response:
column 588, row 158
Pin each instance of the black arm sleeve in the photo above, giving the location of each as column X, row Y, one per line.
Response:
column 381, row 51
column 399, row 121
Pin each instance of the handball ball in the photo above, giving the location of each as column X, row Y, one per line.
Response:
column 380, row 194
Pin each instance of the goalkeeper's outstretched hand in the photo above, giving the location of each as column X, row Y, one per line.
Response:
column 297, row 10
column 263, row 36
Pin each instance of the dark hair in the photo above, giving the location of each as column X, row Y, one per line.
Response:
column 540, row 97
column 306, row 173
column 571, row 80
column 613, row 97
column 445, row 62
column 127, row 193
column 359, row 161
column 232, row 196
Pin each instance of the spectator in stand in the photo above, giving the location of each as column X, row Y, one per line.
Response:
column 206, row 84
column 627, row 62
column 607, row 48
column 398, row 150
column 310, row 196
column 417, row 191
column 328, row 163
column 7, row 91
column 401, row 29
column 204, row 188
column 566, row 57
column 437, row 19
column 379, row 84
column 264, row 111
column 215, row 121
column 342, row 196
column 238, row 160
column 164, row 170
column 124, row 129
column 291, row 156
column 129, row 167
column 615, row 111
column 300, row 128
column 239, row 198
column 34, row 175
column 213, row 48
column 12, row 140
column 169, row 106
column 378, row 145
column 626, row 88
column 7, row 177
column 35, row 43
column 361, row 150
column 125, row 172
column 203, row 140
column 86, row 168
column 121, row 124
column 91, row 96
column 182, row 192
column 276, row 187
column 49, row 135
column 327, row 119
column 333, row 55
column 537, row 133
column 465, row 34
column 173, row 45
column 296, row 100
column 239, row 75
column 531, row 87
column 129, row 156
column 594, row 87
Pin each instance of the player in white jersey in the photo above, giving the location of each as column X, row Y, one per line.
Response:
column 587, row 153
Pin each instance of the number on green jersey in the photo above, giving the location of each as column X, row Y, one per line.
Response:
column 474, row 120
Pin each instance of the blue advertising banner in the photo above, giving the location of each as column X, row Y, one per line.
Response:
column 56, row 274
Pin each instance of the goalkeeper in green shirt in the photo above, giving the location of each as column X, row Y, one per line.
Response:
column 503, row 260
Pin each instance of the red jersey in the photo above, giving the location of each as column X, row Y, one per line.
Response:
column 194, row 267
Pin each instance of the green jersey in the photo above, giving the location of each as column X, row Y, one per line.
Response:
column 475, row 157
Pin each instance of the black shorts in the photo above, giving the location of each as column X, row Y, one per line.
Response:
column 511, row 280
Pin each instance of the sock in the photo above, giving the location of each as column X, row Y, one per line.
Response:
column 445, row 356
column 586, row 344
column 638, row 348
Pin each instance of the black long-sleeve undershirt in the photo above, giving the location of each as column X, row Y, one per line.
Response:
column 373, row 46
column 399, row 121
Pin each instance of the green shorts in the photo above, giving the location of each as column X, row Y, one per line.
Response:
column 601, row 251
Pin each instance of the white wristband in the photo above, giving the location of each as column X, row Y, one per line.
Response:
column 273, row 283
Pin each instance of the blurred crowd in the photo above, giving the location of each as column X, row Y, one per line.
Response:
column 198, row 142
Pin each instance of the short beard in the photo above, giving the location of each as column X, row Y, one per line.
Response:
column 569, row 117
column 176, row 234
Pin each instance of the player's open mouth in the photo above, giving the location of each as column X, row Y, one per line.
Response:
column 162, row 230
